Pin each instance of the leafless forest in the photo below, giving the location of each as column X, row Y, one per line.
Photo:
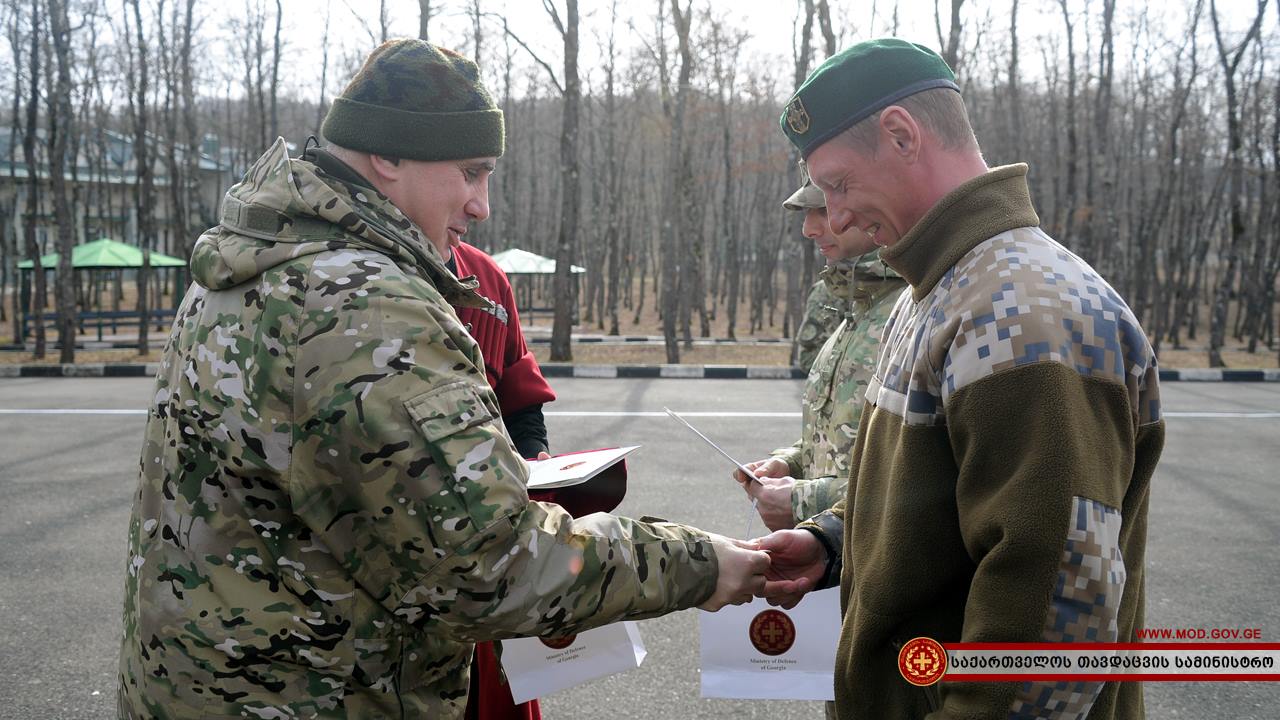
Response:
column 643, row 141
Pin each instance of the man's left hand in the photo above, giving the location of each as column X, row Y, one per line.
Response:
column 774, row 500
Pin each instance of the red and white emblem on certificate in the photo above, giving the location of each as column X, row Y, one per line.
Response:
column 922, row 661
column 772, row 632
column 558, row 643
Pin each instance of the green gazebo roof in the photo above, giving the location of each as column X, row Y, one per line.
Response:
column 106, row 253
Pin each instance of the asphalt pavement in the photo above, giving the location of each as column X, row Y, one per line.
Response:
column 67, row 479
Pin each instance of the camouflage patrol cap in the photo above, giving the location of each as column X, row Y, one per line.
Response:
column 808, row 197
column 416, row 101
column 856, row 82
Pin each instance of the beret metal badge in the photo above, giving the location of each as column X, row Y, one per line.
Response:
column 797, row 116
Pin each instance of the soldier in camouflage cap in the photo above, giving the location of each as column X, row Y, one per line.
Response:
column 823, row 313
column 809, row 476
column 823, row 310
column 330, row 511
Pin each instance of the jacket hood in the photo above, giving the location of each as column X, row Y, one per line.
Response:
column 285, row 208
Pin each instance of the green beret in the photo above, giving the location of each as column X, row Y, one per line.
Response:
column 416, row 101
column 857, row 82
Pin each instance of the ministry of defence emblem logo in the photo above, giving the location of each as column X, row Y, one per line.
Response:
column 558, row 643
column 772, row 632
column 797, row 116
column 922, row 661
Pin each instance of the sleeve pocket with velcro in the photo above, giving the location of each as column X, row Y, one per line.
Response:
column 446, row 410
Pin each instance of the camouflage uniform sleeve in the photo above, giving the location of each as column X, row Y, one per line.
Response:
column 403, row 469
column 793, row 455
column 810, row 496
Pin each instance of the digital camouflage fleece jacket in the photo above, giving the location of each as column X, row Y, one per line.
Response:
column 330, row 511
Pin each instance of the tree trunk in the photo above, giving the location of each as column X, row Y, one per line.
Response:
column 1015, row 102
column 145, row 187
column 59, row 129
column 424, row 19
column 565, row 297
column 9, row 235
column 674, row 215
column 36, row 307
column 1070, row 198
column 951, row 43
column 1236, row 238
column 613, row 173
column 275, row 78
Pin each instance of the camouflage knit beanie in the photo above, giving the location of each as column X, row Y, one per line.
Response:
column 416, row 101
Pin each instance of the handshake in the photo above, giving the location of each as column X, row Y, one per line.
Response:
column 780, row 567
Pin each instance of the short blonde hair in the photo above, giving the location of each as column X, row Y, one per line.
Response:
column 939, row 111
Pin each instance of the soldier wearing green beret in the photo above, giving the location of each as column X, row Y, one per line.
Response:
column 999, row 484
column 809, row 476
column 330, row 511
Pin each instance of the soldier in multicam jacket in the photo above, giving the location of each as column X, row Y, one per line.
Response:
column 823, row 313
column 810, row 475
column 330, row 511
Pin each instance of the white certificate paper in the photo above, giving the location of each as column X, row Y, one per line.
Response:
column 760, row 652
column 537, row 667
column 574, row 468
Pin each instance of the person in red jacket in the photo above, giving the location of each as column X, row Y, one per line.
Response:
column 512, row 370
column 517, row 381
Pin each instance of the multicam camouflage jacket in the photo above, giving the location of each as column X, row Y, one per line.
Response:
column 832, row 401
column 823, row 312
column 330, row 511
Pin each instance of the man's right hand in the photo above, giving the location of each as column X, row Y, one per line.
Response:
column 741, row 576
column 797, row 563
column 769, row 467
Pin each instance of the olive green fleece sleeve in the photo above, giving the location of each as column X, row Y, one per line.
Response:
column 1049, row 462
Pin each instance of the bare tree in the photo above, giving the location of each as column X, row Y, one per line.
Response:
column 8, row 235
column 798, row 278
column 33, row 184
column 951, row 43
column 425, row 13
column 477, row 31
column 678, row 192
column 1015, row 102
column 1230, row 60
column 191, row 128
column 613, row 173
column 144, row 180
column 1068, row 201
column 60, row 127
column 823, row 9
column 324, row 63
column 724, row 52
column 566, row 246
column 275, row 79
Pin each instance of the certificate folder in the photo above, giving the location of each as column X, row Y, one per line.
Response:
column 581, row 482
